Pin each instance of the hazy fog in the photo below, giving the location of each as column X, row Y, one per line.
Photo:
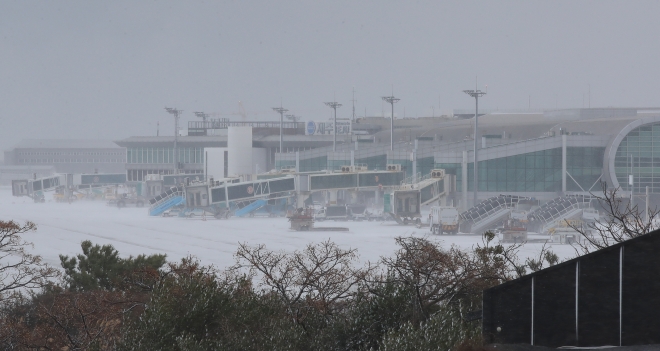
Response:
column 106, row 69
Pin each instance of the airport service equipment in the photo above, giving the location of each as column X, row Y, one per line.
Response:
column 336, row 212
column 444, row 219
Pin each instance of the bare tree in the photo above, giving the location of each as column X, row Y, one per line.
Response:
column 65, row 321
column 18, row 268
column 621, row 221
column 317, row 277
column 431, row 273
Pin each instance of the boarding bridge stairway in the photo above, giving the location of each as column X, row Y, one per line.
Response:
column 556, row 211
column 489, row 212
column 251, row 207
column 173, row 197
column 560, row 220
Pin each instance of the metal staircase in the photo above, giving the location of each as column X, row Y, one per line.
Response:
column 552, row 213
column 489, row 212
column 253, row 206
column 173, row 197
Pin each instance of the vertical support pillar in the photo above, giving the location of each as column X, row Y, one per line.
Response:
column 376, row 197
column 333, row 197
column 577, row 300
column 301, row 197
column 353, row 196
column 297, row 161
column 352, row 158
column 620, row 294
column 356, row 145
column 532, row 326
column 464, row 181
column 414, row 165
column 646, row 208
column 414, row 162
column 563, row 163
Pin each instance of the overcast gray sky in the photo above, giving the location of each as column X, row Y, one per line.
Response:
column 106, row 69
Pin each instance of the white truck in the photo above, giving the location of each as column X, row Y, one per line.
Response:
column 334, row 212
column 443, row 219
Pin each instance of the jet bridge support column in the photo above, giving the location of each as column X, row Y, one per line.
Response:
column 333, row 197
column 414, row 163
column 301, row 196
column 297, row 161
column 414, row 166
column 353, row 196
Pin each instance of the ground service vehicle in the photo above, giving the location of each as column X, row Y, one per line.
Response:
column 127, row 199
column 444, row 219
column 334, row 212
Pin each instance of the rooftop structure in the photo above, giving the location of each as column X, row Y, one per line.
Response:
column 69, row 156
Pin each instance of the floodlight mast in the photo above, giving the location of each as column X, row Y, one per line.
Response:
column 176, row 113
column 475, row 94
column 281, row 111
column 333, row 105
column 391, row 100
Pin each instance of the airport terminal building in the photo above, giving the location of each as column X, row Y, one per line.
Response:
column 35, row 156
column 538, row 154
column 541, row 154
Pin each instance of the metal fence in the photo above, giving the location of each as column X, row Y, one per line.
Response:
column 608, row 297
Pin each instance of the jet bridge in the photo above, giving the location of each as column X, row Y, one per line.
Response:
column 221, row 194
column 34, row 188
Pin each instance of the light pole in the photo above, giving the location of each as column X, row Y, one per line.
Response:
column 391, row 100
column 281, row 111
column 475, row 94
column 176, row 113
column 333, row 105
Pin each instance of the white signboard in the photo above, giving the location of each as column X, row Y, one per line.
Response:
column 325, row 128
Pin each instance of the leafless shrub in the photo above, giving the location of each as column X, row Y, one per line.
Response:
column 318, row 277
column 621, row 221
column 19, row 269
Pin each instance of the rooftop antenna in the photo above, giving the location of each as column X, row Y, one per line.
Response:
column 241, row 110
column 475, row 94
column 354, row 101
column 293, row 118
column 201, row 115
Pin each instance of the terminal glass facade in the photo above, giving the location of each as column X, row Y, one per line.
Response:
column 538, row 171
column 159, row 155
column 639, row 155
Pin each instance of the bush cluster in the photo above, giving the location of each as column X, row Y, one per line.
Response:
column 422, row 297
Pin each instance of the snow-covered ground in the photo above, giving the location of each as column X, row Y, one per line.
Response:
column 62, row 227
